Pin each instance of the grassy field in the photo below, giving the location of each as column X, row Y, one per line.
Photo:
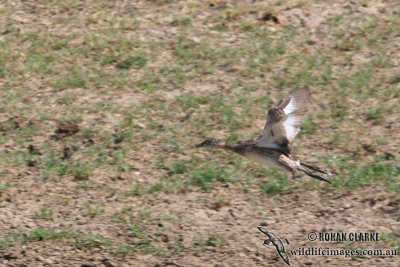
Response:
column 102, row 103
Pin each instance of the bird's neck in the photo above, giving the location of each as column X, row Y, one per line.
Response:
column 238, row 148
column 222, row 144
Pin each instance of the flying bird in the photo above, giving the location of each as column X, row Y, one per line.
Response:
column 273, row 147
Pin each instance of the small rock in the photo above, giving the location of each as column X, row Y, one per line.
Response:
column 347, row 206
column 65, row 128
column 107, row 263
column 45, row 261
column 33, row 150
column 67, row 152
column 164, row 238
column 31, row 163
column 9, row 256
column 275, row 18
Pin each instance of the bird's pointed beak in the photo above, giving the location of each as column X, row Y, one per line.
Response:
column 199, row 145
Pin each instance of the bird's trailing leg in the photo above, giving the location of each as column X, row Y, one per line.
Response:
column 317, row 169
column 314, row 175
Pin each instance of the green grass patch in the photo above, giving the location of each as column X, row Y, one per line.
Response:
column 210, row 240
column 133, row 62
column 276, row 182
column 393, row 238
column 208, row 176
column 44, row 213
column 354, row 175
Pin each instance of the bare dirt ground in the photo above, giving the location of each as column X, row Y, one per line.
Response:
column 102, row 103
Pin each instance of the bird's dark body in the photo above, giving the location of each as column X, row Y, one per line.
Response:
column 277, row 158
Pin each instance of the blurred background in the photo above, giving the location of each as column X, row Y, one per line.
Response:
column 102, row 103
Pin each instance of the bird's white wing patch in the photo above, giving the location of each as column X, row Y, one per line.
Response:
column 291, row 107
column 291, row 125
column 284, row 120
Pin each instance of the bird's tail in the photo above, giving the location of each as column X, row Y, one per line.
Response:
column 315, row 175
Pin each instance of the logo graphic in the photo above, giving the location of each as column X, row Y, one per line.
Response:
column 273, row 240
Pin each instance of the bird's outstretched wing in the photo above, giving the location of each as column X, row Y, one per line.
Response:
column 284, row 120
